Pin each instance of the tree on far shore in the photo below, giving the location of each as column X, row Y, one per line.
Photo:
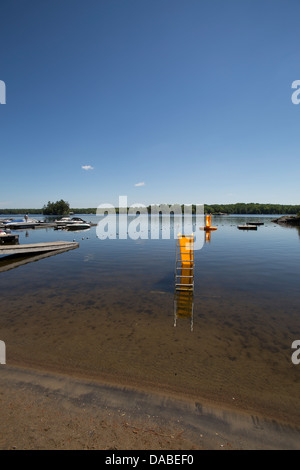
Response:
column 56, row 208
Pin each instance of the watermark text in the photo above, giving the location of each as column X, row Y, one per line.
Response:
column 157, row 221
column 2, row 92
column 296, row 354
column 296, row 94
column 2, row 353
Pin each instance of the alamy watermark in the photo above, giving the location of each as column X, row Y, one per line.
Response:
column 2, row 353
column 2, row 92
column 157, row 221
column 296, row 354
column 296, row 94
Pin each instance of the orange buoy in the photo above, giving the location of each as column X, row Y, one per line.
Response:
column 208, row 226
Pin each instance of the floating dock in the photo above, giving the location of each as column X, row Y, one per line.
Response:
column 8, row 239
column 247, row 227
column 36, row 247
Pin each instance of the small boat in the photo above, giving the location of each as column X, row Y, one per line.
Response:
column 256, row 223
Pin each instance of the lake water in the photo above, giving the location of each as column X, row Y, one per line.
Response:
column 105, row 311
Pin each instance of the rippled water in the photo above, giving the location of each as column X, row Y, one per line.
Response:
column 106, row 311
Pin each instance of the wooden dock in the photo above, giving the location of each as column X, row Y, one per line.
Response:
column 247, row 227
column 9, row 239
column 36, row 247
column 14, row 261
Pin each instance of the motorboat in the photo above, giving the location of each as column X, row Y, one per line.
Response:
column 21, row 223
column 63, row 221
column 74, row 223
column 5, row 221
column 82, row 226
column 78, row 226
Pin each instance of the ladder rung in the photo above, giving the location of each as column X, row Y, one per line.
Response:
column 185, row 285
column 184, row 299
column 189, row 277
column 184, row 268
column 184, row 306
column 183, row 290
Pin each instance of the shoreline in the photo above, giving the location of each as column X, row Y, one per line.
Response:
column 225, row 402
column 289, row 220
column 111, row 416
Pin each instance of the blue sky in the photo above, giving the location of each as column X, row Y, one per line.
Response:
column 167, row 101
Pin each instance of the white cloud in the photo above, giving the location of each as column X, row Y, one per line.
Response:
column 140, row 184
column 87, row 167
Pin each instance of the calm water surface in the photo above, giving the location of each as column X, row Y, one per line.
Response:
column 106, row 311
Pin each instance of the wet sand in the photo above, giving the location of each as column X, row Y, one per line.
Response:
column 51, row 411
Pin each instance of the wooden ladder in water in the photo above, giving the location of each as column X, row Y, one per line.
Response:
column 184, row 279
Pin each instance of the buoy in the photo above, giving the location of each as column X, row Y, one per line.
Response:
column 208, row 226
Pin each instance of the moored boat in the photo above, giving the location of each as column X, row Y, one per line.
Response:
column 77, row 226
column 74, row 223
column 21, row 223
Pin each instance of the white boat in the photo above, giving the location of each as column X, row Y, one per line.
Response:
column 78, row 225
column 63, row 221
column 21, row 223
column 74, row 223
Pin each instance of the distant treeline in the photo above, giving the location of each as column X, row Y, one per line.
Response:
column 251, row 208
column 20, row 211
column 238, row 208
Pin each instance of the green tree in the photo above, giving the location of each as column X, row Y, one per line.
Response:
column 56, row 208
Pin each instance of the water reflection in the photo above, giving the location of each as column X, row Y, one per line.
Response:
column 208, row 228
column 291, row 227
column 207, row 237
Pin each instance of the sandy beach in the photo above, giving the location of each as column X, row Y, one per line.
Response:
column 41, row 410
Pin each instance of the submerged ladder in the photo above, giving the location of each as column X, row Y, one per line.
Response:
column 184, row 279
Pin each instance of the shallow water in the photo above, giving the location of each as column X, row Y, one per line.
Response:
column 106, row 311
